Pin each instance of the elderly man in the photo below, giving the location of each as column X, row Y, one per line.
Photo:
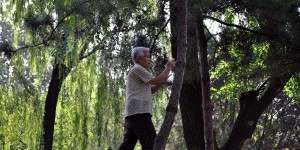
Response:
column 140, row 86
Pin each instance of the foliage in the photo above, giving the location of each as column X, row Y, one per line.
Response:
column 93, row 38
column 278, row 126
column 253, row 45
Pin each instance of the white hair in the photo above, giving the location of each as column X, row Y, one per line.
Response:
column 138, row 52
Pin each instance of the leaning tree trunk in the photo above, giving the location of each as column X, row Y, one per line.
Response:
column 59, row 73
column 205, row 83
column 161, row 139
column 251, row 109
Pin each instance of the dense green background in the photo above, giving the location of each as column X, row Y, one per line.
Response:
column 94, row 38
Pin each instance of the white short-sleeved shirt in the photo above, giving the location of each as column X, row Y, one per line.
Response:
column 138, row 92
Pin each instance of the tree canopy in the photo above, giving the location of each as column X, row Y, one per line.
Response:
column 66, row 62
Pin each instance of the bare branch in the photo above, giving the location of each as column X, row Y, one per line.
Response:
column 252, row 31
column 161, row 30
column 234, row 25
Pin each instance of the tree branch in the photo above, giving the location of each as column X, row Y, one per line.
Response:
column 234, row 25
column 44, row 42
column 96, row 48
column 162, row 29
column 252, row 31
column 218, row 44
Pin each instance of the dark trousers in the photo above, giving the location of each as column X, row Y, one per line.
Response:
column 138, row 127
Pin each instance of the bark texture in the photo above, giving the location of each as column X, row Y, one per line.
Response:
column 205, row 84
column 192, row 117
column 161, row 139
column 191, row 94
column 59, row 73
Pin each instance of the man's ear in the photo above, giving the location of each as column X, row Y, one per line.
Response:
column 138, row 59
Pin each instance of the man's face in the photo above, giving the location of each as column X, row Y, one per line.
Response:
column 145, row 61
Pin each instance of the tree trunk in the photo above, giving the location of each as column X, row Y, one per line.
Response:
column 190, row 98
column 192, row 117
column 161, row 140
column 251, row 109
column 59, row 73
column 205, row 83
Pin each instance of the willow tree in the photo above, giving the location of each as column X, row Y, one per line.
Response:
column 72, row 46
column 79, row 49
column 64, row 36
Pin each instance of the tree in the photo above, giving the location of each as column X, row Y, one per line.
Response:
column 226, row 6
column 73, row 37
column 205, row 84
column 191, row 97
column 252, row 107
column 171, row 110
column 84, row 46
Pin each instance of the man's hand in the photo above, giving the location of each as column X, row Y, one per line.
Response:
column 170, row 64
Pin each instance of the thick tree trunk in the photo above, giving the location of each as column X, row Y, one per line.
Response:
column 192, row 117
column 251, row 109
column 205, row 84
column 59, row 73
column 161, row 140
column 191, row 97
